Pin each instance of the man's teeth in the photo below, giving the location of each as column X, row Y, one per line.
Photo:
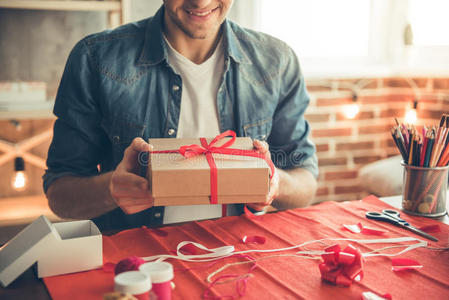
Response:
column 200, row 14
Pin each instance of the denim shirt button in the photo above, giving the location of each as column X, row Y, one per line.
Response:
column 115, row 139
column 175, row 88
column 171, row 131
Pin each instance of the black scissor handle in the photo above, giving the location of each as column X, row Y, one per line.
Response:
column 373, row 215
column 381, row 217
column 392, row 212
column 396, row 215
column 386, row 217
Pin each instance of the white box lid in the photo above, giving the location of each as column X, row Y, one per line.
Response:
column 24, row 249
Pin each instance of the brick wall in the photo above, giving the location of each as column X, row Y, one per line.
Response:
column 345, row 145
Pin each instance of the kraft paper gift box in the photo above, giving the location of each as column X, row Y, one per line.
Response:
column 59, row 248
column 177, row 180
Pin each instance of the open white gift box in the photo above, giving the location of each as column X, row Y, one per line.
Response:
column 59, row 248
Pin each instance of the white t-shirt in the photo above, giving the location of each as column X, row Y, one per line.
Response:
column 198, row 117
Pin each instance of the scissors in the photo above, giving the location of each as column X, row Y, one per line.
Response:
column 393, row 217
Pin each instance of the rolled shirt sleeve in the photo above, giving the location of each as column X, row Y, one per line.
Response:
column 78, row 141
column 289, row 141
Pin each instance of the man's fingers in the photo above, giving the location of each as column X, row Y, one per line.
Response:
column 128, row 202
column 134, row 205
column 139, row 145
column 118, row 193
column 133, row 153
column 262, row 147
column 120, row 179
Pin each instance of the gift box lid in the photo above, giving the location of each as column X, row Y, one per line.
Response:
column 77, row 246
column 173, row 175
column 59, row 248
column 22, row 251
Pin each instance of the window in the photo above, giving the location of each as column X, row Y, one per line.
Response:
column 319, row 28
column 356, row 38
column 429, row 49
column 429, row 22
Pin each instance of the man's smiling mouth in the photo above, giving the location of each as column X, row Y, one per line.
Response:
column 200, row 13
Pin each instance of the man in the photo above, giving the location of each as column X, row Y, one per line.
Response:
column 185, row 72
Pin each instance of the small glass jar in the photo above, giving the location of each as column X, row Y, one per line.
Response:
column 135, row 283
column 161, row 274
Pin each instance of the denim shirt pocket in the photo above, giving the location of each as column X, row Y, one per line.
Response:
column 121, row 133
column 258, row 130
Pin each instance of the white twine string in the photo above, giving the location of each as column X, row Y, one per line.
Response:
column 209, row 278
column 226, row 251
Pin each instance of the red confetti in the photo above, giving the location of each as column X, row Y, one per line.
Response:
column 373, row 296
column 360, row 228
column 255, row 239
column 341, row 267
column 189, row 249
column 403, row 264
column 353, row 228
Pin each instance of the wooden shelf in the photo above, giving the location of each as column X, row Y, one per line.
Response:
column 119, row 11
column 26, row 114
column 63, row 5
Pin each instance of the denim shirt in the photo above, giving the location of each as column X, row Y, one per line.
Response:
column 117, row 85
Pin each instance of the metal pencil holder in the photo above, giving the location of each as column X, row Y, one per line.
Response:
column 424, row 190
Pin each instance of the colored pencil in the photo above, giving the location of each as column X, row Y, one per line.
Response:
column 428, row 147
column 430, row 143
column 399, row 144
column 424, row 147
column 411, row 150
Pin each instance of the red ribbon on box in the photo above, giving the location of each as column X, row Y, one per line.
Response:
column 189, row 151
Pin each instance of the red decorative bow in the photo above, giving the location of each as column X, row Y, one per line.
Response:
column 342, row 267
column 189, row 151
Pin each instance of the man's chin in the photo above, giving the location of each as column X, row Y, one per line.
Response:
column 195, row 34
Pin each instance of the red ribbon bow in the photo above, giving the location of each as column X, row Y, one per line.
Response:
column 342, row 267
column 189, row 151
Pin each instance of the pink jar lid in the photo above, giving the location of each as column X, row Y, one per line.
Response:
column 132, row 282
column 158, row 271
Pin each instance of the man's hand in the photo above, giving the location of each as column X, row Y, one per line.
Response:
column 263, row 148
column 129, row 190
